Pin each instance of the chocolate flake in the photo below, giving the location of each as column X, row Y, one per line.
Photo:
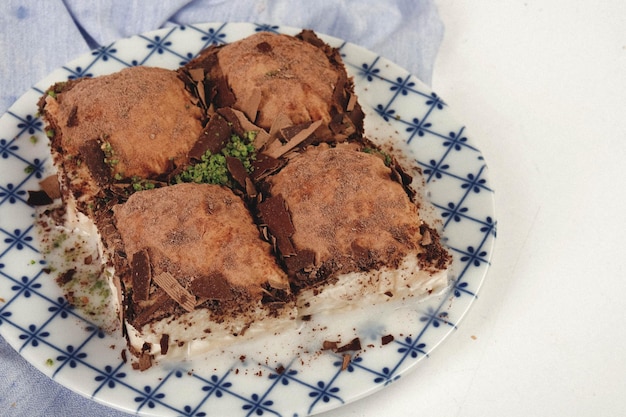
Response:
column 250, row 105
column 213, row 287
column 276, row 151
column 177, row 292
column 93, row 156
column 213, row 138
column 353, row 345
column 50, row 185
column 264, row 165
column 241, row 124
column 38, row 198
column 329, row 345
column 165, row 343
column 237, row 170
column 197, row 74
column 385, row 340
column 274, row 214
column 141, row 276
column 345, row 362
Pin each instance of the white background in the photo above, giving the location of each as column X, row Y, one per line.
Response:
column 541, row 87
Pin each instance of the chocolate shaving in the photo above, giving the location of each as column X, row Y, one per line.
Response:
column 274, row 214
column 278, row 151
column 240, row 125
column 225, row 96
column 177, row 292
column 165, row 343
column 237, row 170
column 264, row 165
column 213, row 287
column 329, row 345
column 197, row 74
column 353, row 345
column 281, row 122
column 250, row 105
column 93, row 156
column 141, row 275
column 385, row 340
column 352, row 102
column 38, row 198
column 160, row 304
column 213, row 138
column 302, row 260
column 50, row 185
column 345, row 362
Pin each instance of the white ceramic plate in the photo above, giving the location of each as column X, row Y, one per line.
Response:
column 37, row 321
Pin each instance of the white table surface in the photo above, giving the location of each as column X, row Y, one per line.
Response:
column 541, row 86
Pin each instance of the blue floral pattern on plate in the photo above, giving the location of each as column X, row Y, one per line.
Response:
column 37, row 321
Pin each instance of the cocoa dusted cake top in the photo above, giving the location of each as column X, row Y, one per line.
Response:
column 141, row 118
column 344, row 213
column 279, row 81
column 192, row 243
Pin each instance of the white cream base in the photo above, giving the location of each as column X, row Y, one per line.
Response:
column 197, row 332
column 376, row 287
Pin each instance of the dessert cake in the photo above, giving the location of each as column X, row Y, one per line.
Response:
column 237, row 192
column 352, row 234
column 117, row 131
column 195, row 270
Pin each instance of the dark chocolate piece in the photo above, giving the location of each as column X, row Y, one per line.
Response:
column 214, row 137
column 165, row 343
column 274, row 214
column 38, row 198
column 213, row 287
column 385, row 340
column 94, row 157
column 353, row 345
column 141, row 276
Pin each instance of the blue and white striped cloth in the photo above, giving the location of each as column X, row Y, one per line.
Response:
column 36, row 37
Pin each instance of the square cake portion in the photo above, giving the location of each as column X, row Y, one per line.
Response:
column 348, row 232
column 113, row 134
column 195, row 272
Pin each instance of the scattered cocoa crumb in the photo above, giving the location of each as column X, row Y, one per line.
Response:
column 280, row 370
column 306, row 318
column 66, row 277
column 124, row 358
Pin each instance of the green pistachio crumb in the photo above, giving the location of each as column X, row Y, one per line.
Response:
column 383, row 155
column 212, row 167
